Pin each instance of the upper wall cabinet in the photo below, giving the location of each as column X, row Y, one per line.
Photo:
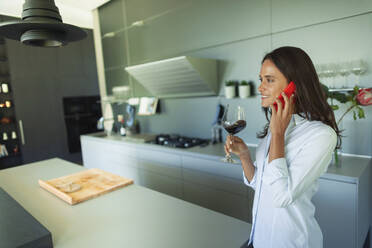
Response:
column 111, row 19
column 114, row 52
column 331, row 42
column 111, row 16
column 288, row 14
column 177, row 27
column 115, row 77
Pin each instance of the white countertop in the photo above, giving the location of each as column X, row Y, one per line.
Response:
column 133, row 216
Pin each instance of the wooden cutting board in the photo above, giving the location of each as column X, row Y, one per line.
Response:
column 84, row 185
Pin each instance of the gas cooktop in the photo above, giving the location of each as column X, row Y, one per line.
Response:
column 174, row 140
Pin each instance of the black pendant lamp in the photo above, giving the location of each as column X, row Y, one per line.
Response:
column 41, row 26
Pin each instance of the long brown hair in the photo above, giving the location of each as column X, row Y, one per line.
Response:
column 310, row 98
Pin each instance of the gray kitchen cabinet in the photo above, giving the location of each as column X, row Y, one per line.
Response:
column 141, row 166
column 306, row 13
column 34, row 98
column 161, row 168
column 175, row 32
column 41, row 78
column 343, row 207
column 336, row 212
column 114, row 159
column 115, row 57
column 218, row 187
column 214, row 181
column 200, row 195
column 218, row 200
column 215, row 166
column 161, row 183
column 160, row 171
column 169, row 30
column 111, row 16
column 121, row 168
column 8, row 122
column 114, row 51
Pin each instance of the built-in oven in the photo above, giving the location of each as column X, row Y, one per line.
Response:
column 81, row 115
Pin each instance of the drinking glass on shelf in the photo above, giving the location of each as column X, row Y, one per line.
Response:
column 233, row 121
column 358, row 68
column 344, row 70
column 331, row 73
column 326, row 71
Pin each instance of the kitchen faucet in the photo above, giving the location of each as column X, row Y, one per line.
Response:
column 101, row 121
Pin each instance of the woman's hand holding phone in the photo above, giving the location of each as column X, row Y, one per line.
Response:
column 289, row 91
column 282, row 111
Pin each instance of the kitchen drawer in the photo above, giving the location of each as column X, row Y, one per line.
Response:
column 234, row 205
column 160, row 157
column 122, row 159
column 119, row 168
column 230, row 204
column 199, row 195
column 121, row 149
column 160, row 168
column 108, row 147
column 217, row 182
column 234, row 171
column 160, row 183
column 95, row 156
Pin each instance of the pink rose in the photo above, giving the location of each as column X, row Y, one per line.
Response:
column 364, row 97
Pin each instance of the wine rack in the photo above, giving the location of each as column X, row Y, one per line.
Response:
column 9, row 135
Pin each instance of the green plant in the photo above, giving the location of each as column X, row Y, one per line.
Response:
column 244, row 82
column 357, row 98
column 350, row 96
column 231, row 83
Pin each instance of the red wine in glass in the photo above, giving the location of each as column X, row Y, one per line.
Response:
column 233, row 121
column 236, row 127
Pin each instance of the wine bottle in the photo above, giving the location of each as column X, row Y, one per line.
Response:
column 122, row 129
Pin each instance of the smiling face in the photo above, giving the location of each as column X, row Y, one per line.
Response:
column 273, row 82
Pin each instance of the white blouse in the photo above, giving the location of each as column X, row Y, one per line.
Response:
column 283, row 214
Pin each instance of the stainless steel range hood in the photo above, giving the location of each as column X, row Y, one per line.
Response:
column 178, row 77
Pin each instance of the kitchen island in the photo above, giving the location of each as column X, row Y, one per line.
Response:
column 133, row 216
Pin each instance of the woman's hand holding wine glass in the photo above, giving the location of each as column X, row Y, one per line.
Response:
column 236, row 145
column 233, row 121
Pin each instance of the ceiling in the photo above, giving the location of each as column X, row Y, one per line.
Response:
column 74, row 12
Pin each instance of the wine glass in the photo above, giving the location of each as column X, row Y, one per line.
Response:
column 233, row 121
column 331, row 72
column 358, row 68
column 344, row 71
column 323, row 74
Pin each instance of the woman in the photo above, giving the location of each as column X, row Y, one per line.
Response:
column 295, row 150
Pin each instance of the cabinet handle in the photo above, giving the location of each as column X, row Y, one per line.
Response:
column 21, row 131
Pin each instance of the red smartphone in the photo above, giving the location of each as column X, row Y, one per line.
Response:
column 289, row 90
